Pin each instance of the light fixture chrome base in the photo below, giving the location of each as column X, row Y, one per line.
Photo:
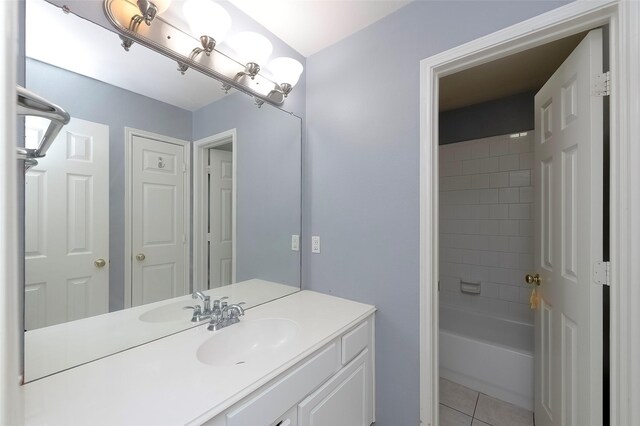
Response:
column 251, row 69
column 149, row 12
column 182, row 67
column 286, row 89
column 208, row 44
column 126, row 43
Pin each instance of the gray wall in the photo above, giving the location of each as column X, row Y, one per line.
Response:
column 499, row 117
column 362, row 173
column 96, row 101
column 268, row 184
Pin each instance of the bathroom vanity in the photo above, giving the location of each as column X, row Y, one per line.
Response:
column 307, row 358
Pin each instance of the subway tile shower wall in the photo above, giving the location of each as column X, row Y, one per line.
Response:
column 486, row 224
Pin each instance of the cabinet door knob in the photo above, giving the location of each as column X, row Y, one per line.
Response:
column 532, row 279
column 100, row 263
column 140, row 257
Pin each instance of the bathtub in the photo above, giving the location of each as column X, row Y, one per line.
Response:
column 488, row 354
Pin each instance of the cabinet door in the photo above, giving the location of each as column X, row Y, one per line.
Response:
column 345, row 400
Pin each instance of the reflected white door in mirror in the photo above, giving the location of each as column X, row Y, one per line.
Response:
column 159, row 218
column 67, row 225
column 221, row 219
column 215, row 160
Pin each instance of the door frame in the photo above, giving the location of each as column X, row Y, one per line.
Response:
column 200, row 148
column 623, row 17
column 129, row 133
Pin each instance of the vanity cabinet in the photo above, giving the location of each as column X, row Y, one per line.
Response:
column 334, row 386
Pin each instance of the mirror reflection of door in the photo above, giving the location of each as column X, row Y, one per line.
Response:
column 220, row 216
column 67, row 225
column 158, row 220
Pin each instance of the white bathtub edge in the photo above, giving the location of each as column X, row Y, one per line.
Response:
column 498, row 372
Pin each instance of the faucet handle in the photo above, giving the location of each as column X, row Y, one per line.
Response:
column 197, row 312
column 218, row 302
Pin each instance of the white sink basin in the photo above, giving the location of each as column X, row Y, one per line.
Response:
column 173, row 312
column 248, row 341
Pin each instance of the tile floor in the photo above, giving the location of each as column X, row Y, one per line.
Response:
column 461, row 406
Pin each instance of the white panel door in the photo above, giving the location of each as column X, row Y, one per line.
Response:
column 158, row 237
column 220, row 218
column 67, row 225
column 568, row 182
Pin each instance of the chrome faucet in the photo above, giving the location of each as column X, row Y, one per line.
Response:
column 223, row 315
column 206, row 301
column 200, row 313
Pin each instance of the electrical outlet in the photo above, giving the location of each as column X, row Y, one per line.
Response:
column 295, row 242
column 315, row 244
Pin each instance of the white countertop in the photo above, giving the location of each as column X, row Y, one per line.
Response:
column 62, row 346
column 162, row 382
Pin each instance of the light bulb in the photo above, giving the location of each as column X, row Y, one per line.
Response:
column 161, row 5
column 251, row 47
column 207, row 18
column 285, row 70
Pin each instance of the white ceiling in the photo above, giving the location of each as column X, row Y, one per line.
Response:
column 311, row 25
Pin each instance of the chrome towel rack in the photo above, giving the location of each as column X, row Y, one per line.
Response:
column 30, row 104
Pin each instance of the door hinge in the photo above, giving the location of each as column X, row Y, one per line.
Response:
column 209, row 170
column 601, row 84
column 601, row 273
column 209, row 237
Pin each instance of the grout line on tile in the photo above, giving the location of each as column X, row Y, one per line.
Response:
column 462, row 412
column 476, row 406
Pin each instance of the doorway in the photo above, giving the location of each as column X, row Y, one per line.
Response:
column 543, row 187
column 552, row 26
column 214, row 210
column 220, row 216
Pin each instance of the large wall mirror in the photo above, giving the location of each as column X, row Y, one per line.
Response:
column 161, row 185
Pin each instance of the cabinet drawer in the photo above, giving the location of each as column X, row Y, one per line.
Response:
column 286, row 392
column 355, row 341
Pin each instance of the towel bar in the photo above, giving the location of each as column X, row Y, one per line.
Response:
column 34, row 105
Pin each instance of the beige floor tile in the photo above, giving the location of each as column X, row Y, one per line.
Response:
column 458, row 397
column 500, row 413
column 451, row 417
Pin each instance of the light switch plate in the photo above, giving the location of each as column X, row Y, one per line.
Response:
column 315, row 244
column 295, row 242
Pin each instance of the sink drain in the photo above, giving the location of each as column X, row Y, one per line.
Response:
column 239, row 362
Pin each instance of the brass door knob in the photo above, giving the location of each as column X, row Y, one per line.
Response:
column 100, row 263
column 532, row 279
column 140, row 257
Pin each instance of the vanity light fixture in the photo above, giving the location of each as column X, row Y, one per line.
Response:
column 208, row 23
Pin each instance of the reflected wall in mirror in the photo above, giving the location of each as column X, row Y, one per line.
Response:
column 160, row 185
